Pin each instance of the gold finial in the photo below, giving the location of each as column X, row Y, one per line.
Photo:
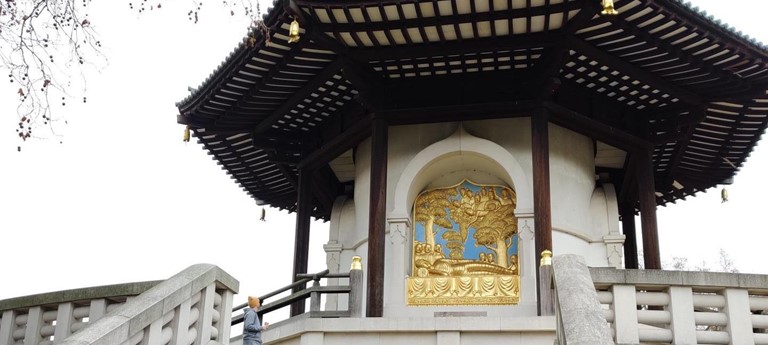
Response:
column 293, row 32
column 608, row 9
column 724, row 195
column 546, row 258
column 357, row 263
column 186, row 134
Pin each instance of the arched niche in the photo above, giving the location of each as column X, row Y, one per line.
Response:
column 451, row 160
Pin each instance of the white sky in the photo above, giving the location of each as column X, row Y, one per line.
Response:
column 124, row 199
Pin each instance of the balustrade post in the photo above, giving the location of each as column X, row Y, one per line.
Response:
column 154, row 334
column 314, row 296
column 356, row 288
column 683, row 323
column 739, row 316
column 624, row 308
column 546, row 300
column 6, row 327
column 34, row 322
column 225, row 316
column 180, row 323
column 205, row 319
column 64, row 320
column 97, row 310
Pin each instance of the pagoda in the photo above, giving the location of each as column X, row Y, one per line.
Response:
column 455, row 144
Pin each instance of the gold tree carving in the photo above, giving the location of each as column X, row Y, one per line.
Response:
column 431, row 210
column 495, row 231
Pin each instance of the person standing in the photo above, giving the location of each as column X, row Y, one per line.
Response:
column 251, row 325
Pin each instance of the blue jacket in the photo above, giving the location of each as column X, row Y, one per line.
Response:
column 251, row 327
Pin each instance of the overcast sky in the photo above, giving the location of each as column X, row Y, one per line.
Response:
column 124, row 199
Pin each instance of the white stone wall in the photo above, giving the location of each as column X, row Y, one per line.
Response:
column 584, row 218
column 433, row 331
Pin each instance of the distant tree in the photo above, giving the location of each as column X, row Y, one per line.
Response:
column 47, row 45
column 725, row 264
column 43, row 44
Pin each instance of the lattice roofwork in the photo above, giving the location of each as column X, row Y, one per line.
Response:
column 660, row 70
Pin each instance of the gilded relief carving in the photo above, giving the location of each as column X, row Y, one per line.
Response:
column 465, row 246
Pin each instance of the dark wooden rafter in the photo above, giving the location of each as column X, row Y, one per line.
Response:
column 242, row 100
column 454, row 19
column 311, row 86
column 634, row 72
column 225, row 143
column 698, row 114
column 723, row 36
column 243, row 57
column 555, row 56
column 723, row 75
column 348, row 138
column 579, row 123
column 451, row 113
column 533, row 40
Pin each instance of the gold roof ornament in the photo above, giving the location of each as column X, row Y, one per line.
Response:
column 186, row 134
column 357, row 263
column 608, row 9
column 293, row 32
column 546, row 258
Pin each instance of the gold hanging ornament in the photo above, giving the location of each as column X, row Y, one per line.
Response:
column 293, row 32
column 724, row 195
column 186, row 134
column 608, row 9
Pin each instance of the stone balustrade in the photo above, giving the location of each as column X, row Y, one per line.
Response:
column 674, row 307
column 46, row 318
column 192, row 307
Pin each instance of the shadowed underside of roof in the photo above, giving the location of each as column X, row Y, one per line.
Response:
column 659, row 72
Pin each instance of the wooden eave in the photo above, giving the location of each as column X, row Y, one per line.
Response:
column 659, row 73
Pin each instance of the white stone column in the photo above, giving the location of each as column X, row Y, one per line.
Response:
column 333, row 262
column 64, row 320
column 614, row 241
column 225, row 316
column 34, row 323
column 6, row 327
column 180, row 323
column 681, row 309
column 154, row 334
column 624, row 308
column 97, row 310
column 614, row 249
column 526, row 259
column 739, row 317
column 398, row 258
column 205, row 319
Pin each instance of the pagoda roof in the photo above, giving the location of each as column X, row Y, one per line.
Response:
column 660, row 76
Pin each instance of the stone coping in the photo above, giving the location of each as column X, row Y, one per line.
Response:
column 74, row 295
column 130, row 318
column 295, row 327
column 703, row 280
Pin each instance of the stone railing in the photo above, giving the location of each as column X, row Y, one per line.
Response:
column 43, row 318
column 650, row 306
column 192, row 307
column 657, row 307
